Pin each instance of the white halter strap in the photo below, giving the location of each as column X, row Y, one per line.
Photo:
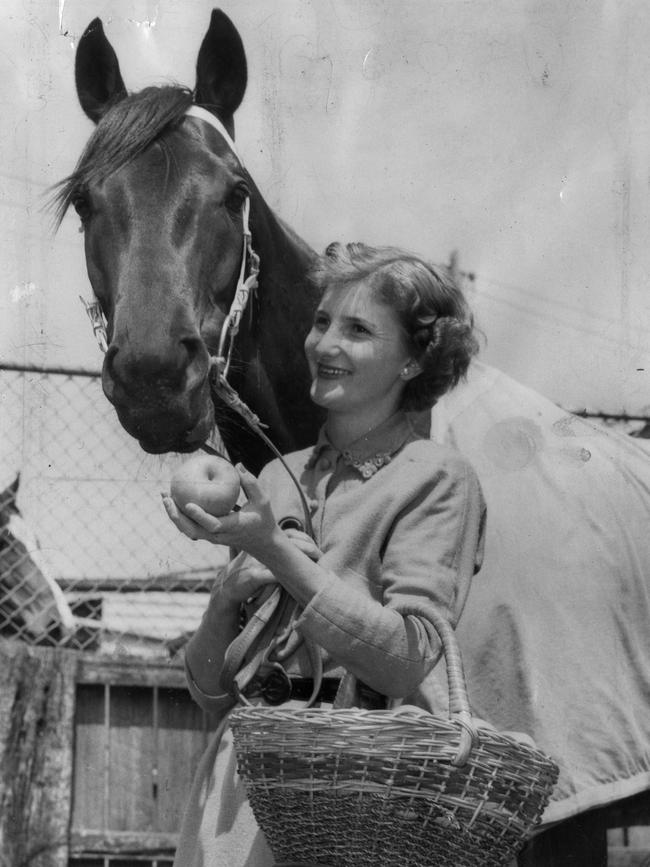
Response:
column 245, row 285
column 208, row 117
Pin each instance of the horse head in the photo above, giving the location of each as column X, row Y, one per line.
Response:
column 163, row 198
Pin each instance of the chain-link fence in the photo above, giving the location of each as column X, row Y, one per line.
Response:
column 88, row 559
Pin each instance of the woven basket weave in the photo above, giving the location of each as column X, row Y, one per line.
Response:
column 379, row 788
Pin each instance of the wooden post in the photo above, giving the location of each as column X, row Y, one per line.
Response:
column 37, row 702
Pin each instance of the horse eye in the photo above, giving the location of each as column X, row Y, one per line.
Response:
column 236, row 198
column 82, row 206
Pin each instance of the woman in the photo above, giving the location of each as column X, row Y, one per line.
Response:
column 397, row 520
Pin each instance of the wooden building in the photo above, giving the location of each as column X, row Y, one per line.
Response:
column 97, row 758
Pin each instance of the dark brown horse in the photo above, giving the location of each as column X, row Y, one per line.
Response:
column 554, row 634
column 161, row 199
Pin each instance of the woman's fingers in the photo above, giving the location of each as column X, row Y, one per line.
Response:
column 204, row 519
column 193, row 522
column 176, row 516
column 304, row 542
column 250, row 486
column 244, row 583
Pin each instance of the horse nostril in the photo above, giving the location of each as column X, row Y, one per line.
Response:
column 194, row 348
column 181, row 368
column 197, row 359
column 109, row 360
column 108, row 371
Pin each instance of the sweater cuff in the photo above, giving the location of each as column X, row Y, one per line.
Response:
column 211, row 703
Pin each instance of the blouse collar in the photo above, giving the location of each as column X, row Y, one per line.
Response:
column 371, row 451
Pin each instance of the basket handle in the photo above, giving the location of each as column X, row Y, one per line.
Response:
column 459, row 707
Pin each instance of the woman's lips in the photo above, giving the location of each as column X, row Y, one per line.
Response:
column 327, row 372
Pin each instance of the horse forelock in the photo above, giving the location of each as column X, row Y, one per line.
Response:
column 126, row 130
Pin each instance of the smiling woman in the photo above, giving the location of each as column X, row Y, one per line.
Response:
column 397, row 521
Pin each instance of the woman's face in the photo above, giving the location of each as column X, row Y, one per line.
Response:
column 357, row 353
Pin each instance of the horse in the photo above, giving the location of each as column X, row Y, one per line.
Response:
column 32, row 605
column 554, row 633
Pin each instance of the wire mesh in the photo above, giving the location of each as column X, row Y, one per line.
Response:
column 88, row 558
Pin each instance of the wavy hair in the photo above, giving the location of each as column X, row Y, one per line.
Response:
column 430, row 307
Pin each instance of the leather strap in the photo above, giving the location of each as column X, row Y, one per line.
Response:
column 260, row 636
column 268, row 612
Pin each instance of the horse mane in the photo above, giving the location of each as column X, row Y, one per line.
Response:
column 127, row 129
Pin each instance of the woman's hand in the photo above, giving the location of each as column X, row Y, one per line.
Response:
column 242, row 579
column 253, row 528
column 305, row 543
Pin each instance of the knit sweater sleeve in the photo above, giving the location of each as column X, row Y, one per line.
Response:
column 429, row 554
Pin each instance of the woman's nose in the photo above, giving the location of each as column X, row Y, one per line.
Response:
column 328, row 343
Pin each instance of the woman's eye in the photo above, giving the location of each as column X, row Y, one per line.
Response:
column 358, row 328
column 320, row 322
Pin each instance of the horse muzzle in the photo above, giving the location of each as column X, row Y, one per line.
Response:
column 164, row 431
column 161, row 399
column 161, row 419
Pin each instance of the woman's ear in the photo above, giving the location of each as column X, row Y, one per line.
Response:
column 410, row 370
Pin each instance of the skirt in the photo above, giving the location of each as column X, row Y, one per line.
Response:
column 219, row 829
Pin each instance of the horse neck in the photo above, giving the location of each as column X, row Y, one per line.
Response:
column 285, row 259
column 274, row 377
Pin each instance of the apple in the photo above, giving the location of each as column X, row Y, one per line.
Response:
column 207, row 480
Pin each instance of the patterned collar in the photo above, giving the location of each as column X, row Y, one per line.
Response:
column 372, row 450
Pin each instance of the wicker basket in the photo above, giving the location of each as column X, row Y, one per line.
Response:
column 402, row 788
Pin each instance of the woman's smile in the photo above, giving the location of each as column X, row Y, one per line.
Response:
column 327, row 371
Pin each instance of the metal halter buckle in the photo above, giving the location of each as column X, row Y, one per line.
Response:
column 98, row 321
column 274, row 688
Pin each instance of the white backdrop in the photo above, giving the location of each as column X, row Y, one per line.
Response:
column 515, row 132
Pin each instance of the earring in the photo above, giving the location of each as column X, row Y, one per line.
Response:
column 410, row 369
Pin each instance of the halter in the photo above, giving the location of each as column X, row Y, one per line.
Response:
column 245, row 285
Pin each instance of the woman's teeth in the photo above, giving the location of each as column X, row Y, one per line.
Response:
column 324, row 370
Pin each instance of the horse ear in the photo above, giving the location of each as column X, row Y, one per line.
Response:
column 221, row 71
column 97, row 72
column 12, row 490
column 8, row 499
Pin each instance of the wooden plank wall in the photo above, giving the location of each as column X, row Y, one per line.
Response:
column 139, row 738
column 37, row 700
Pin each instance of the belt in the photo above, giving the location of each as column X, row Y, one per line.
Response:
column 277, row 688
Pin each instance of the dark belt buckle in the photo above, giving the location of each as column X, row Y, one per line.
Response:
column 276, row 687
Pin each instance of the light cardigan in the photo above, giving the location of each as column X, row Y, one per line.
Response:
column 400, row 522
